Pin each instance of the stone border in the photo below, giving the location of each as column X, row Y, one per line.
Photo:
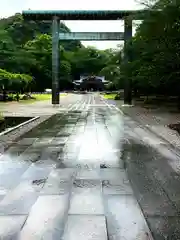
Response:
column 18, row 126
column 8, row 139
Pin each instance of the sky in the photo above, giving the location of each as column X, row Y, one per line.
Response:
column 10, row 7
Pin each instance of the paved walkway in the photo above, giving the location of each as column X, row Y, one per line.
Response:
column 81, row 174
column 75, row 185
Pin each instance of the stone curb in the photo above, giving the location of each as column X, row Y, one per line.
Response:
column 14, row 135
column 18, row 126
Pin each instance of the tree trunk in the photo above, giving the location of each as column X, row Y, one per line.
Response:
column 17, row 97
column 4, row 95
column 178, row 103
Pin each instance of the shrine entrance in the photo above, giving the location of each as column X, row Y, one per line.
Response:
column 90, row 83
column 56, row 16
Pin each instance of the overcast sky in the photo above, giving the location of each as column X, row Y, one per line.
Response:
column 10, row 7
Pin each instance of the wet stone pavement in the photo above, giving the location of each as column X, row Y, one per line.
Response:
column 86, row 174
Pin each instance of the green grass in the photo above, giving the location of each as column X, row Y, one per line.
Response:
column 109, row 96
column 41, row 97
column 1, row 116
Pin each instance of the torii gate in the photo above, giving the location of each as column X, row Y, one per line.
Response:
column 55, row 16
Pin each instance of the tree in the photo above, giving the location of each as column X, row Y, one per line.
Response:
column 13, row 81
column 156, row 51
column 26, row 48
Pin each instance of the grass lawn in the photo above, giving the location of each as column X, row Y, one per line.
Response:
column 109, row 96
column 1, row 116
column 39, row 97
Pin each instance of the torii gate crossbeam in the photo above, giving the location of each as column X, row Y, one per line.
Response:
column 92, row 36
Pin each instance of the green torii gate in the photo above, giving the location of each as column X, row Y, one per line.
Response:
column 55, row 16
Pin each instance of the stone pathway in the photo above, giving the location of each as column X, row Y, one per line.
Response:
column 66, row 179
column 153, row 167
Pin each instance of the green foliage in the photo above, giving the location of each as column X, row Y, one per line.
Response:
column 14, row 81
column 26, row 48
column 110, row 96
column 156, row 52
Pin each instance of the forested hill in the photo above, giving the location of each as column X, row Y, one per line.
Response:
column 26, row 48
column 18, row 31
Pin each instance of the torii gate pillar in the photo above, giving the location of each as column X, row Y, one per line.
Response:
column 127, row 58
column 55, row 60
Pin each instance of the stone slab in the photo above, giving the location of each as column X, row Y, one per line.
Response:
column 125, row 219
column 46, row 219
column 30, row 156
column 10, row 174
column 26, row 141
column 113, row 174
column 88, row 174
column 85, row 227
column 59, row 181
column 36, row 172
column 86, row 201
column 10, row 226
column 15, row 150
column 59, row 140
column 20, row 199
column 116, row 187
